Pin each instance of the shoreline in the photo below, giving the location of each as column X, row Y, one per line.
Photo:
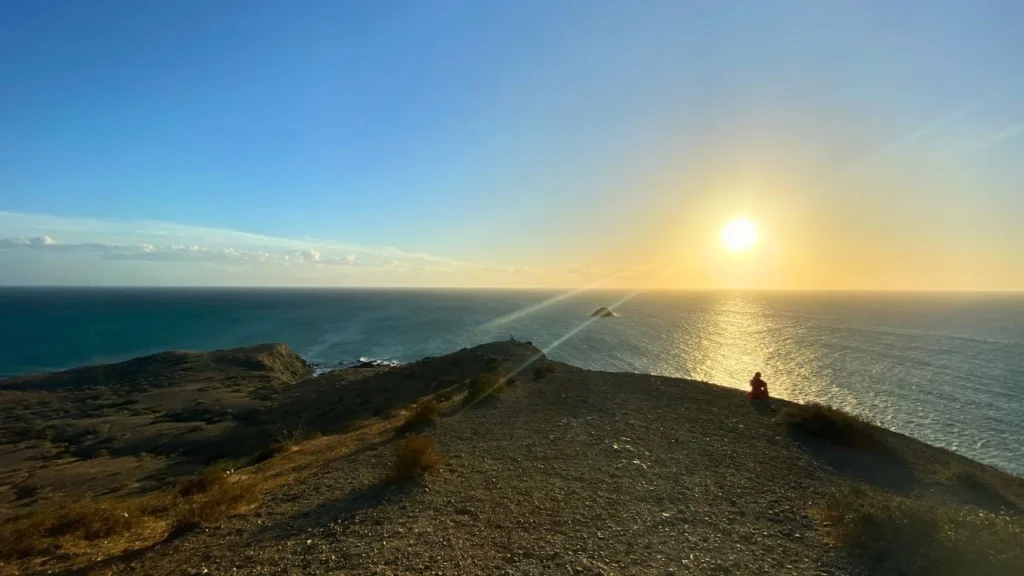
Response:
column 323, row 368
column 320, row 370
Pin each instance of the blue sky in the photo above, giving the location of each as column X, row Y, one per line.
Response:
column 531, row 143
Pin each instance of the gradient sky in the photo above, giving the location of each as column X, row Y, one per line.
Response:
column 877, row 145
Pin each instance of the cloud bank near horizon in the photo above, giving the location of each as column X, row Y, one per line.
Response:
column 177, row 253
column 44, row 249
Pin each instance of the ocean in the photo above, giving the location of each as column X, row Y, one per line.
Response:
column 944, row 368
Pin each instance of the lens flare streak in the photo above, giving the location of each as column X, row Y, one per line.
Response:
column 558, row 342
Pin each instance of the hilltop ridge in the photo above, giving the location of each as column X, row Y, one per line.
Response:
column 547, row 468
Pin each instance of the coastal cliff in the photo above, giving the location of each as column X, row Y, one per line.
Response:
column 242, row 462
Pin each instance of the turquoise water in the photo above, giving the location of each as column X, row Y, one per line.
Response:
column 947, row 369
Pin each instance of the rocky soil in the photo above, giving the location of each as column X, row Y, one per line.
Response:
column 576, row 472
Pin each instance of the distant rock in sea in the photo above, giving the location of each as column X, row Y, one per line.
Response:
column 603, row 312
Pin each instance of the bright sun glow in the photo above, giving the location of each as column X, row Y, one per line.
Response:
column 739, row 235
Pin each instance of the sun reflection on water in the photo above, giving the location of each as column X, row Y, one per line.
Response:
column 730, row 336
column 729, row 344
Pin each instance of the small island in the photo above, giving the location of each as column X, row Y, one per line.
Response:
column 603, row 312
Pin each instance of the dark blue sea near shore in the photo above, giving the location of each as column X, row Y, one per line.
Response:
column 945, row 368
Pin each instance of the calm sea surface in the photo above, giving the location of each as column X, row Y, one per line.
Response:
column 947, row 369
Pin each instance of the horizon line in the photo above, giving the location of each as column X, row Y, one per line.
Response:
column 510, row 288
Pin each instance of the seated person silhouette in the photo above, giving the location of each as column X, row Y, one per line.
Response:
column 758, row 388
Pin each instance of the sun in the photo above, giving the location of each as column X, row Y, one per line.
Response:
column 739, row 235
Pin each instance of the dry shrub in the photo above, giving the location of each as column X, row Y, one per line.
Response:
column 42, row 530
column 415, row 457
column 207, row 479
column 482, row 386
column 59, row 526
column 94, row 520
column 223, row 500
column 541, row 372
column 270, row 450
column 820, row 421
column 923, row 538
column 25, row 490
column 425, row 413
column 25, row 536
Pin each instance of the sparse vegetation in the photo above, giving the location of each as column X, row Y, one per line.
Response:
column 141, row 508
column 415, row 456
column 270, row 450
column 207, row 479
column 973, row 485
column 224, row 498
column 360, row 424
column 423, row 415
column 963, row 476
column 286, row 442
column 919, row 534
column 25, row 490
column 209, row 497
column 825, row 422
column 923, row 538
column 541, row 372
column 46, row 529
column 482, row 386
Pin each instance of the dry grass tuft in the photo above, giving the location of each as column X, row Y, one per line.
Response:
column 415, row 457
column 482, row 386
column 25, row 490
column 541, row 372
column 820, row 421
column 271, row 450
column 224, row 499
column 923, row 538
column 48, row 528
column 62, row 536
column 425, row 413
column 66, row 527
column 207, row 479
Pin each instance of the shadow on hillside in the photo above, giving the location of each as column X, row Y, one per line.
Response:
column 986, row 498
column 762, row 407
column 112, row 564
column 974, row 486
column 877, row 465
column 340, row 510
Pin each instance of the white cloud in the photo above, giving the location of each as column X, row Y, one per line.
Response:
column 82, row 231
column 144, row 252
column 51, row 249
